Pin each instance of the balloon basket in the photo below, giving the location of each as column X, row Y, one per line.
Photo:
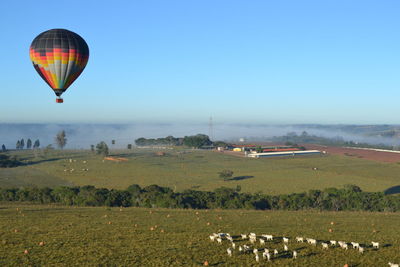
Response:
column 59, row 100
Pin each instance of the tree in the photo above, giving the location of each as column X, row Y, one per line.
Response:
column 60, row 139
column 225, row 174
column 18, row 145
column 113, row 142
column 220, row 144
column 197, row 141
column 36, row 144
column 3, row 148
column 92, row 148
column 129, row 146
column 29, row 143
column 102, row 148
column 22, row 143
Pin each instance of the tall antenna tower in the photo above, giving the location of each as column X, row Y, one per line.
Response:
column 211, row 129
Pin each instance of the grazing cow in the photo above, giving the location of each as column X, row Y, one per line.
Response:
column 333, row 242
column 294, row 254
column 257, row 258
column 229, row 250
column 355, row 245
column 393, row 264
column 264, row 255
column 219, row 240
column 244, row 236
column 324, row 245
column 360, row 249
column 311, row 241
column 299, row 239
column 262, row 241
column 285, row 248
column 276, row 252
column 269, row 237
column 375, row 245
column 286, row 240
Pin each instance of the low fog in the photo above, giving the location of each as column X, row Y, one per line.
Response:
column 81, row 136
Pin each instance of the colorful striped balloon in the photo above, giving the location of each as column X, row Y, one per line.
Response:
column 59, row 56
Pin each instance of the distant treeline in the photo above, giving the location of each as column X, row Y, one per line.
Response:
column 197, row 141
column 305, row 138
column 349, row 198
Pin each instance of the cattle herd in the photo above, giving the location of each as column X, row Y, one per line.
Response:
column 269, row 254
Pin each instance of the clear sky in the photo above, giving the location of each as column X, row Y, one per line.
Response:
column 332, row 61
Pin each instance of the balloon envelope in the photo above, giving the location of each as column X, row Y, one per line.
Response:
column 59, row 56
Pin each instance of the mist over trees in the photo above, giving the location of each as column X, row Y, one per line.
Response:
column 306, row 138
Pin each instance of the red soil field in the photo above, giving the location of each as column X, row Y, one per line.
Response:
column 380, row 156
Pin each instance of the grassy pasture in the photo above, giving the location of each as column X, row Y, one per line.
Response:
column 112, row 237
column 180, row 169
column 193, row 169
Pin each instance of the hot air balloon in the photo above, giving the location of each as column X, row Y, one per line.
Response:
column 59, row 56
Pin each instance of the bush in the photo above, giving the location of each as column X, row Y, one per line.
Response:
column 9, row 162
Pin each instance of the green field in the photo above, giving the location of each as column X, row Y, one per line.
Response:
column 123, row 237
column 194, row 169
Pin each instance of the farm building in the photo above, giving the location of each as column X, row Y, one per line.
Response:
column 252, row 148
column 284, row 153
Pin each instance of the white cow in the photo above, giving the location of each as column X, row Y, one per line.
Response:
column 299, row 239
column 229, row 250
column 295, row 254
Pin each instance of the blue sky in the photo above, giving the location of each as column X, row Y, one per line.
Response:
column 184, row 61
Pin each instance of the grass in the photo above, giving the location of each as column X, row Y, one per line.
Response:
column 77, row 236
column 191, row 169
